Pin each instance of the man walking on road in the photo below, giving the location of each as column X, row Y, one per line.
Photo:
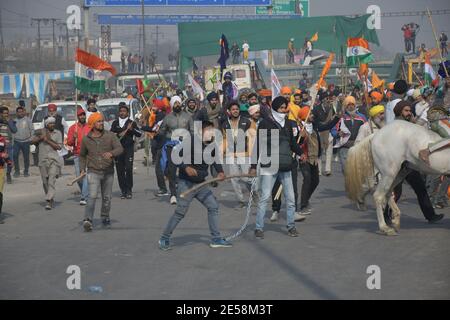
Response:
column 126, row 130
column 7, row 128
column 98, row 150
column 76, row 134
column 22, row 140
column 50, row 162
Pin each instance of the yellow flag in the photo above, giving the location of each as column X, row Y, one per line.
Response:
column 376, row 81
column 315, row 37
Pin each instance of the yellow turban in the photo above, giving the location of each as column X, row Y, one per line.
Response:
column 376, row 110
column 93, row 118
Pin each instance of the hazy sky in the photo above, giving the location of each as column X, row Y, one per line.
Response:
column 16, row 15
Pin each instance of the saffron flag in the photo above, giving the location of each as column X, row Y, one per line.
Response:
column 429, row 73
column 358, row 51
column 376, row 81
column 325, row 70
column 88, row 72
column 315, row 37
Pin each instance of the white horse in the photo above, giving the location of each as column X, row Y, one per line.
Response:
column 386, row 151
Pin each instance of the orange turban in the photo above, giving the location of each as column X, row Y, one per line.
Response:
column 286, row 90
column 93, row 118
column 303, row 113
column 376, row 96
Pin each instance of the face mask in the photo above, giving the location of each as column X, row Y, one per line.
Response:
column 308, row 127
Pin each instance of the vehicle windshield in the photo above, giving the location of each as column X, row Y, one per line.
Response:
column 110, row 112
column 67, row 112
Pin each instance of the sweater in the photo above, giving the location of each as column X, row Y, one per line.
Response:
column 92, row 150
column 25, row 130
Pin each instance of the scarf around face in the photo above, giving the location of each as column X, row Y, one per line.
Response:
column 123, row 121
column 280, row 118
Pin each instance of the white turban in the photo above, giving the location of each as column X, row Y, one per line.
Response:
column 49, row 120
column 253, row 109
column 175, row 99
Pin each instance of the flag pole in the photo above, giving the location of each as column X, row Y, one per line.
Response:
column 437, row 42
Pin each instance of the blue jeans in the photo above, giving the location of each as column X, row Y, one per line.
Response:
column 83, row 184
column 25, row 148
column 103, row 183
column 266, row 183
column 206, row 198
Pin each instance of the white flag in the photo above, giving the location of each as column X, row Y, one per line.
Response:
column 275, row 84
column 196, row 88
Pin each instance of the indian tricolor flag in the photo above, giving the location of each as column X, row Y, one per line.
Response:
column 429, row 73
column 89, row 72
column 358, row 51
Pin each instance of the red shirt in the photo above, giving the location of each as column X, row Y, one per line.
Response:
column 407, row 33
column 79, row 131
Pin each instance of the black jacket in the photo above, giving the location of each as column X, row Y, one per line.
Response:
column 287, row 143
column 201, row 168
column 127, row 141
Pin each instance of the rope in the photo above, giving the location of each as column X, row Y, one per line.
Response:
column 247, row 217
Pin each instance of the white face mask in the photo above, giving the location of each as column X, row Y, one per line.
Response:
column 308, row 127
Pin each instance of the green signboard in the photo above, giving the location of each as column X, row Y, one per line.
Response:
column 286, row 7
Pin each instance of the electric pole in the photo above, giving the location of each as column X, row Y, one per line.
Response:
column 143, row 39
column 157, row 34
column 64, row 25
column 38, row 20
column 2, row 44
column 54, row 39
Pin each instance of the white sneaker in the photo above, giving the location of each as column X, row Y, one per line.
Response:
column 83, row 202
column 299, row 217
column 173, row 200
column 274, row 216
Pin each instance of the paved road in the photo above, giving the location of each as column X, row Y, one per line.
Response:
column 328, row 260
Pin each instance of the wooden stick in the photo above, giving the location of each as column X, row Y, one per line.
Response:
column 420, row 81
column 201, row 185
column 437, row 42
column 76, row 179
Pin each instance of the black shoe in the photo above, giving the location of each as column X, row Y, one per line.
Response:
column 292, row 232
column 16, row 174
column 161, row 193
column 436, row 218
column 123, row 196
column 8, row 178
column 259, row 234
column 106, row 222
column 26, row 174
column 129, row 195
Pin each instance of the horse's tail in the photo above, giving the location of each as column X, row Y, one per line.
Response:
column 359, row 169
